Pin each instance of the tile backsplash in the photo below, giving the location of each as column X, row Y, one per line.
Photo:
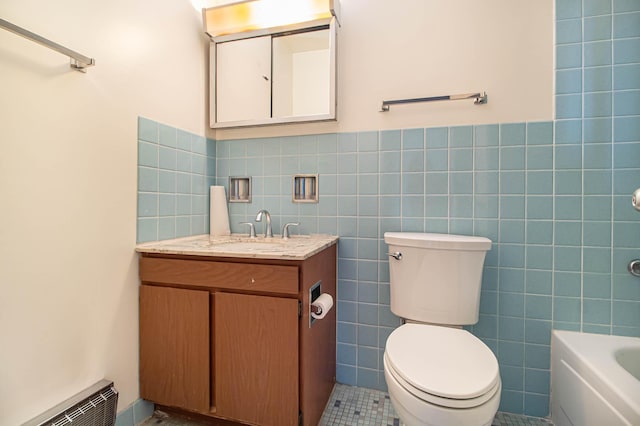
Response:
column 175, row 170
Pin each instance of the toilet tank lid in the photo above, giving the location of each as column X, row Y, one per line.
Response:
column 437, row 241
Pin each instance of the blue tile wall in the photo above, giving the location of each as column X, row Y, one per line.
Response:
column 175, row 170
column 558, row 259
column 601, row 128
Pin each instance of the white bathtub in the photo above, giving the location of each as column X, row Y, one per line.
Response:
column 595, row 379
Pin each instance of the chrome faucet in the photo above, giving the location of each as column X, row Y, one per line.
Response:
column 268, row 233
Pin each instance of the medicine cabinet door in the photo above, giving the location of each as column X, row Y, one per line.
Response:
column 243, row 80
column 302, row 74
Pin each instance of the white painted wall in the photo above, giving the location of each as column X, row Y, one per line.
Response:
column 418, row 48
column 68, row 155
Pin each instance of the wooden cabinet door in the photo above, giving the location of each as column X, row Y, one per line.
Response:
column 175, row 347
column 243, row 79
column 256, row 359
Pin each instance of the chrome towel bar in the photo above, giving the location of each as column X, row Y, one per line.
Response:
column 78, row 62
column 480, row 98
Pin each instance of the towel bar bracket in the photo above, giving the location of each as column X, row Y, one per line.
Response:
column 81, row 66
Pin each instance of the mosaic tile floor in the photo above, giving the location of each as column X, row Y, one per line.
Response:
column 351, row 405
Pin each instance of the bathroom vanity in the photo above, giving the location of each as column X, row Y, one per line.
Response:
column 226, row 330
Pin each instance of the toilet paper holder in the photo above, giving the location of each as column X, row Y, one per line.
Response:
column 314, row 292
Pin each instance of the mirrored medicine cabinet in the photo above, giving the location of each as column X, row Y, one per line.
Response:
column 277, row 75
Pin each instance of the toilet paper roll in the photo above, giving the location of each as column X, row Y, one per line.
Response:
column 324, row 302
column 218, row 213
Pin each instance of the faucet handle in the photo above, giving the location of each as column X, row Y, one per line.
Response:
column 252, row 229
column 285, row 229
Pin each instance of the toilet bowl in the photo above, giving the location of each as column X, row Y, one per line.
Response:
column 441, row 376
column 436, row 372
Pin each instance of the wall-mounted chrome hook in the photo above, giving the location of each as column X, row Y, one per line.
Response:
column 634, row 267
column 635, row 199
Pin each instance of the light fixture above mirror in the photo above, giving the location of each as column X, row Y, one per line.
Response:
column 233, row 17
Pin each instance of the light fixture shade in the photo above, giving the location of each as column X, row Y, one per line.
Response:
column 260, row 14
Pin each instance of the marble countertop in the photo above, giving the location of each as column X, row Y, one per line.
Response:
column 297, row 247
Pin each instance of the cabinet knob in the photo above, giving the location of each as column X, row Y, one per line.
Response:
column 265, row 78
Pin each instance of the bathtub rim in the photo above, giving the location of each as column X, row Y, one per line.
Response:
column 593, row 357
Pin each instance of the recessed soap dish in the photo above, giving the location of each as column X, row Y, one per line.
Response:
column 305, row 189
column 239, row 189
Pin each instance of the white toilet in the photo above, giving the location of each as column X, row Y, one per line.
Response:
column 436, row 372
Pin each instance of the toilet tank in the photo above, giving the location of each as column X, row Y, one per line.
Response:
column 437, row 277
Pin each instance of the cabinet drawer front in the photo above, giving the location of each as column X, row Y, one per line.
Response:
column 223, row 275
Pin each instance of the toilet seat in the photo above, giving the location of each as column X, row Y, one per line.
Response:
column 444, row 366
column 437, row 400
